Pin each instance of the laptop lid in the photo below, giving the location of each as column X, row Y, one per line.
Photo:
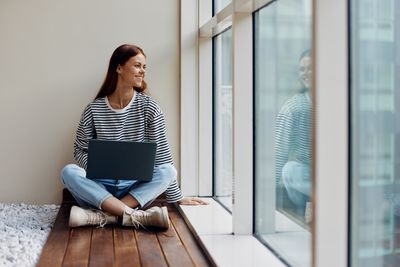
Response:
column 123, row 160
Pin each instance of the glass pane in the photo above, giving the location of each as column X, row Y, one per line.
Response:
column 283, row 128
column 219, row 5
column 222, row 115
column 375, row 112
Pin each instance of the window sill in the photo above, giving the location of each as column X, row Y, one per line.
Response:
column 213, row 226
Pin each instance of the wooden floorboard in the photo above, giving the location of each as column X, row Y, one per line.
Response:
column 102, row 247
column 149, row 249
column 174, row 251
column 116, row 245
column 125, row 247
column 78, row 250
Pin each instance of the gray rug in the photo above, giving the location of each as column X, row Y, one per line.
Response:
column 23, row 232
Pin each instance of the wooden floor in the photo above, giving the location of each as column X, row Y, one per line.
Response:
column 115, row 245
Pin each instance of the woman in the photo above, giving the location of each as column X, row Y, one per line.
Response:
column 121, row 111
column 293, row 140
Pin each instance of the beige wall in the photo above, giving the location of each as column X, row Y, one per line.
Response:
column 53, row 58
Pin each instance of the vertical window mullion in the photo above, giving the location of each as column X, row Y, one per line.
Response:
column 242, row 37
column 331, row 133
column 205, row 84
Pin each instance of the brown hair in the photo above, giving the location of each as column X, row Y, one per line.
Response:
column 119, row 57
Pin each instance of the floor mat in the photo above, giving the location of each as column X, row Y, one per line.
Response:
column 23, row 232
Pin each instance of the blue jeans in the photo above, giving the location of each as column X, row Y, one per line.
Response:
column 297, row 181
column 92, row 193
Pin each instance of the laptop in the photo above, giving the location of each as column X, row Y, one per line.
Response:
column 122, row 160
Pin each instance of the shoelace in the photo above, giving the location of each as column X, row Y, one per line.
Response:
column 96, row 216
column 135, row 222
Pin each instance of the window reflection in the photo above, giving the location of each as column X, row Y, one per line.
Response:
column 283, row 116
column 293, row 147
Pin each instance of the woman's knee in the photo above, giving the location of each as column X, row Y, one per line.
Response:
column 168, row 172
column 293, row 172
column 69, row 173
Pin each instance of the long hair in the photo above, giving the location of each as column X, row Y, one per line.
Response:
column 119, row 57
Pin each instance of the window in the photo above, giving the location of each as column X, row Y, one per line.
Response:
column 222, row 115
column 375, row 143
column 283, row 116
column 219, row 5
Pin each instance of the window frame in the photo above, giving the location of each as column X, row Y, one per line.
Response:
column 214, row 70
column 330, row 50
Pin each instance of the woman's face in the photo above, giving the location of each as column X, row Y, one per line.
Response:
column 133, row 71
column 305, row 71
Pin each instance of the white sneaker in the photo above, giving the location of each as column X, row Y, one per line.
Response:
column 155, row 216
column 81, row 217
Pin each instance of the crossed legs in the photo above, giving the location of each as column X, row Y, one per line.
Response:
column 91, row 193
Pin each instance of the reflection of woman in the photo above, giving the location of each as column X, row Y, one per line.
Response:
column 293, row 139
column 122, row 112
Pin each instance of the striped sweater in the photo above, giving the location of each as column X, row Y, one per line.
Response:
column 293, row 133
column 141, row 120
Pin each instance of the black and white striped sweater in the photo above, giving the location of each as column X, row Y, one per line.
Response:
column 293, row 133
column 141, row 120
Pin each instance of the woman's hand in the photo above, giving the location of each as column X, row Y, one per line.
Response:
column 192, row 201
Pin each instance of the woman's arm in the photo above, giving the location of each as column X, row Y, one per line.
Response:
column 283, row 136
column 156, row 132
column 174, row 194
column 84, row 133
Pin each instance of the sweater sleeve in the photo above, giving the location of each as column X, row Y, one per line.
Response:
column 156, row 132
column 283, row 136
column 84, row 133
column 173, row 192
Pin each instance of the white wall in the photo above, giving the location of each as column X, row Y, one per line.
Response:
column 53, row 59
